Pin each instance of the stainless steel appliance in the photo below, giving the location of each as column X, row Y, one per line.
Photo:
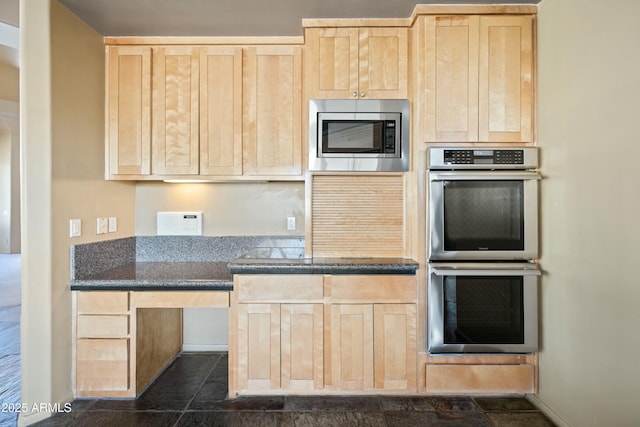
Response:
column 483, row 203
column 359, row 135
column 482, row 307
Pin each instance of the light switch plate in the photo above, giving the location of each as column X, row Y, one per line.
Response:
column 101, row 226
column 113, row 224
column 291, row 223
column 75, row 228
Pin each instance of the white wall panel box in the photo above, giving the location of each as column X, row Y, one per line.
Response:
column 179, row 224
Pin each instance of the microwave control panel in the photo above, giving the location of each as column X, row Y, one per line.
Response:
column 483, row 158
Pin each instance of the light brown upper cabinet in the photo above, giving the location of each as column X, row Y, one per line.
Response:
column 128, row 105
column 478, row 78
column 273, row 110
column 357, row 62
column 206, row 112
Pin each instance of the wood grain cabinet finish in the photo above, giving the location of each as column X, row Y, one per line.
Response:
column 211, row 112
column 128, row 111
column 358, row 62
column 272, row 94
column 336, row 340
column 279, row 332
column 478, row 78
column 102, row 344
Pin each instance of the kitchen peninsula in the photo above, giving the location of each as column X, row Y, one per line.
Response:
column 128, row 296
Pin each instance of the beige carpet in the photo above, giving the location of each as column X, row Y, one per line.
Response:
column 9, row 280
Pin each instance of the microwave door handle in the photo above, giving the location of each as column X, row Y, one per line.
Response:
column 482, row 176
column 438, row 271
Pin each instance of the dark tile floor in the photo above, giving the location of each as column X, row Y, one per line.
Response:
column 192, row 392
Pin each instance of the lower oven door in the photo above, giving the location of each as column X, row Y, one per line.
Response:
column 482, row 308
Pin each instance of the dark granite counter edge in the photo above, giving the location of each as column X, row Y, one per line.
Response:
column 138, row 285
column 349, row 269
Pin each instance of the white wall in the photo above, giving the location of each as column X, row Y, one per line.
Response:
column 242, row 209
column 62, row 142
column 589, row 134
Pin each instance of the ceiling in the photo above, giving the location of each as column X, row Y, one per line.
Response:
column 239, row 18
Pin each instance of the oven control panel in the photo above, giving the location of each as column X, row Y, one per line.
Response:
column 482, row 158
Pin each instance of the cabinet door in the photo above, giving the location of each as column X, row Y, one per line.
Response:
column 333, row 62
column 128, row 110
column 383, row 56
column 273, row 110
column 302, row 346
column 221, row 110
column 505, row 76
column 258, row 346
column 352, row 347
column 451, row 78
column 175, row 110
column 395, row 346
column 102, row 365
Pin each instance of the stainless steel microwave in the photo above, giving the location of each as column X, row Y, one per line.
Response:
column 359, row 135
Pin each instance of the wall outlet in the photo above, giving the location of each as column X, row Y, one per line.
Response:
column 291, row 223
column 75, row 228
column 102, row 226
column 113, row 224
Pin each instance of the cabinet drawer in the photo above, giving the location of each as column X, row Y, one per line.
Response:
column 92, row 326
column 103, row 302
column 495, row 379
column 102, row 364
column 279, row 288
column 373, row 289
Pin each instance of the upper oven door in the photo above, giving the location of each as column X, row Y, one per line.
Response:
column 483, row 215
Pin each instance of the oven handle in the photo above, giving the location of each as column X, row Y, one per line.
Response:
column 443, row 271
column 482, row 176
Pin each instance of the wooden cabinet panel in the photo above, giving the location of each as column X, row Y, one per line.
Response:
column 352, row 347
column 278, row 288
column 272, row 110
column 302, row 346
column 258, row 346
column 505, row 77
column 357, row 62
column 478, row 78
column 128, row 108
column 97, row 326
column 175, row 110
column 395, row 353
column 102, row 364
column 333, row 62
column 451, row 80
column 220, row 110
column 383, row 62
column 103, row 302
column 357, row 215
column 445, row 378
column 371, row 289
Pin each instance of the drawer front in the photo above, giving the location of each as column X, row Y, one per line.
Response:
column 103, row 302
column 103, row 326
column 102, row 364
column 371, row 289
column 279, row 288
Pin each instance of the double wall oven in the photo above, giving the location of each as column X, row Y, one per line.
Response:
column 483, row 240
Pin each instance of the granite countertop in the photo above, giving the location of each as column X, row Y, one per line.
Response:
column 160, row 276
column 246, row 265
column 177, row 264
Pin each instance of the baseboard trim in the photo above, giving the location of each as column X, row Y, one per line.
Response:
column 553, row 416
column 205, row 347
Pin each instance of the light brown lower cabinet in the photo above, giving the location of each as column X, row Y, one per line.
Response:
column 124, row 339
column 311, row 333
